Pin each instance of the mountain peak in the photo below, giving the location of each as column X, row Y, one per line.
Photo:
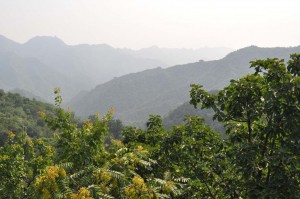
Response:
column 45, row 40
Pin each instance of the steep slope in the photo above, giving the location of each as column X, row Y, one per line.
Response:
column 158, row 91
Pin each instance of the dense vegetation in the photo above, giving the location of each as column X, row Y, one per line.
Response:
column 177, row 117
column 258, row 159
column 19, row 114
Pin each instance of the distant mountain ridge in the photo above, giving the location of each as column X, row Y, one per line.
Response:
column 72, row 68
column 175, row 56
column 158, row 91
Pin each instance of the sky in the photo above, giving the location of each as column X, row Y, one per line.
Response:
column 165, row 23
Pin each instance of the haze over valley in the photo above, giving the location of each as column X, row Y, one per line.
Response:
column 43, row 63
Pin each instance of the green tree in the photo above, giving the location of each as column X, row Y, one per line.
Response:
column 261, row 113
column 84, row 168
column 21, row 161
column 192, row 152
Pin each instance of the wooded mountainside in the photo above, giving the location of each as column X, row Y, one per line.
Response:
column 18, row 114
column 159, row 91
column 258, row 158
column 92, row 77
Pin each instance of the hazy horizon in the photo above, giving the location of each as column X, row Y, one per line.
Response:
column 133, row 24
column 135, row 49
column 141, row 48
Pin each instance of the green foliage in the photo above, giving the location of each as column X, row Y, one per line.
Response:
column 90, row 170
column 261, row 113
column 259, row 158
column 18, row 114
column 178, row 116
column 21, row 160
column 192, row 152
column 115, row 127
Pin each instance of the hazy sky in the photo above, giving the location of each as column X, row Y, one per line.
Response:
column 166, row 23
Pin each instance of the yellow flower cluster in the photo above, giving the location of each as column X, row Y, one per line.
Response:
column 103, row 176
column 42, row 114
column 83, row 193
column 88, row 126
column 4, row 157
column 138, row 181
column 54, row 172
column 46, row 184
column 140, row 149
column 139, row 190
column 111, row 110
column 118, row 143
column 133, row 160
column 11, row 135
column 57, row 90
column 168, row 188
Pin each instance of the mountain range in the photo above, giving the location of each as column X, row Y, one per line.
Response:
column 175, row 56
column 136, row 83
column 43, row 63
column 158, row 91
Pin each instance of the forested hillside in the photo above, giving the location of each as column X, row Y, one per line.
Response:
column 19, row 114
column 139, row 99
column 179, row 115
column 158, row 91
column 258, row 158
